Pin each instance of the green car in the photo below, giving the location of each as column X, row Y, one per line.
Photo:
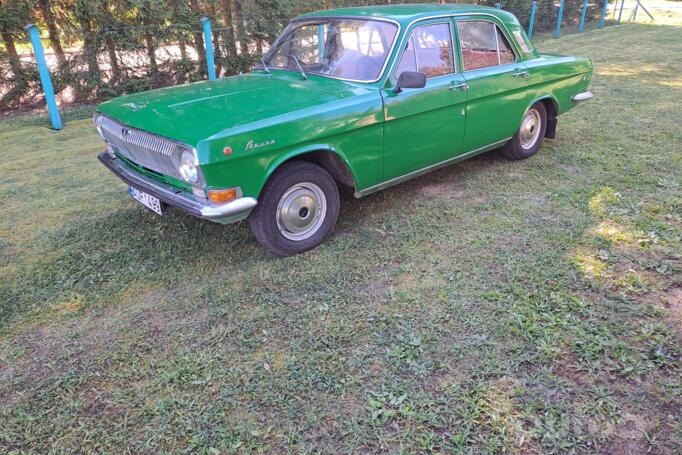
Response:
column 362, row 97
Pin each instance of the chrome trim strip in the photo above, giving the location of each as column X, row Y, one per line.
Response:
column 427, row 169
column 584, row 96
column 225, row 213
column 363, row 18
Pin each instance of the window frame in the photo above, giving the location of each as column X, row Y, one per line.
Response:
column 447, row 20
column 501, row 29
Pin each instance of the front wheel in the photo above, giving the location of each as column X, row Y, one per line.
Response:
column 530, row 136
column 297, row 209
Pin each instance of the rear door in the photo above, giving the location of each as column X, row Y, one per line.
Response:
column 425, row 126
column 497, row 81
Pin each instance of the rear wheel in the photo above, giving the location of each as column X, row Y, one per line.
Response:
column 530, row 136
column 297, row 209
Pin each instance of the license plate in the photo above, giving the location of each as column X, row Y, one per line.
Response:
column 147, row 200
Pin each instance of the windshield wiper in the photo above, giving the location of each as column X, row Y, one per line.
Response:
column 265, row 67
column 300, row 68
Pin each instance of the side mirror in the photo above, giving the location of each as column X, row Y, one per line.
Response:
column 410, row 79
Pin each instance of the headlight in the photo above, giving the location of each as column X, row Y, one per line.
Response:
column 187, row 169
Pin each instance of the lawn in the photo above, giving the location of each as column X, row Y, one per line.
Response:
column 493, row 306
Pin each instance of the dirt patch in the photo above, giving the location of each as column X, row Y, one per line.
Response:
column 672, row 301
column 378, row 288
column 568, row 366
column 435, row 190
column 626, row 438
column 440, row 381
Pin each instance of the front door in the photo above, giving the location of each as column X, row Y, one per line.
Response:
column 497, row 83
column 425, row 126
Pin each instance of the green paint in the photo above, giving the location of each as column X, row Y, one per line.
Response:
column 378, row 134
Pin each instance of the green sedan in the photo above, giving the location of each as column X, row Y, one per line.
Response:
column 361, row 97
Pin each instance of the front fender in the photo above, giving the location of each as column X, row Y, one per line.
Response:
column 300, row 151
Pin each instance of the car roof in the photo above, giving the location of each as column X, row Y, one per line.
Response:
column 408, row 12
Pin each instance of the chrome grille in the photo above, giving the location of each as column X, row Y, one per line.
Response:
column 148, row 150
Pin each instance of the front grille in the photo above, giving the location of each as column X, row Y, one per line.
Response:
column 145, row 149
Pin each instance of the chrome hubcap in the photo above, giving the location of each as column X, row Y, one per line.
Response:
column 530, row 129
column 301, row 211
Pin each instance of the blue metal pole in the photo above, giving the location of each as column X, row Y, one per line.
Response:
column 34, row 35
column 208, row 44
column 603, row 14
column 558, row 19
column 498, row 5
column 582, row 18
column 622, row 5
column 533, row 9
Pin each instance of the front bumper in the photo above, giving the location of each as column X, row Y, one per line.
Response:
column 584, row 96
column 225, row 213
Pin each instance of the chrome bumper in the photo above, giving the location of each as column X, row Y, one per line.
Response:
column 225, row 213
column 584, row 96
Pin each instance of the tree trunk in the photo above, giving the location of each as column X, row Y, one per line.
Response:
column 198, row 39
column 14, row 61
column 52, row 31
column 183, row 50
column 230, row 40
column 113, row 59
column 110, row 44
column 217, row 52
column 151, row 52
column 90, row 51
column 241, row 33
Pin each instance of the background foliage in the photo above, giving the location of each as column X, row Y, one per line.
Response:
column 102, row 48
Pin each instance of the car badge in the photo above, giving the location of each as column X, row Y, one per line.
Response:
column 254, row 145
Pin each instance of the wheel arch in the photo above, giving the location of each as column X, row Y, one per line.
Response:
column 552, row 108
column 325, row 156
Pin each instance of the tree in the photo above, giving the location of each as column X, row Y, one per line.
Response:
column 53, row 34
column 86, row 15
column 230, row 40
column 14, row 14
column 198, row 38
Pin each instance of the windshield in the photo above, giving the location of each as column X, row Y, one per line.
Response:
column 352, row 49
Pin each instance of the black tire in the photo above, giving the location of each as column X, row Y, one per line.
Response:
column 520, row 146
column 297, row 180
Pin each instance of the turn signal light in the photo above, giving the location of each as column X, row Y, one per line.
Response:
column 222, row 196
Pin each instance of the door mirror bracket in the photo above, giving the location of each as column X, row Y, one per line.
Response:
column 410, row 79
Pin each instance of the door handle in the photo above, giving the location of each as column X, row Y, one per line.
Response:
column 463, row 86
column 520, row 73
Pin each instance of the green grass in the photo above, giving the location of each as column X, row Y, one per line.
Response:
column 493, row 306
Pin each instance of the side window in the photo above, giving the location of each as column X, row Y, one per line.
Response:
column 483, row 45
column 429, row 50
column 505, row 51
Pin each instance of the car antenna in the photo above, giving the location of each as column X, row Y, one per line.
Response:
column 300, row 68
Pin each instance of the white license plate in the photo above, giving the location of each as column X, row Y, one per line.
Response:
column 147, row 200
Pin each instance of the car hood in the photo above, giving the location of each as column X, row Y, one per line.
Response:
column 194, row 112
